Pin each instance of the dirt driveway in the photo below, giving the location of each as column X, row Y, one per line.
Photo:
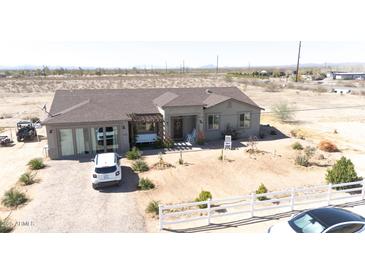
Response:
column 64, row 201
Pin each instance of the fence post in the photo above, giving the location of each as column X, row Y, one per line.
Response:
column 329, row 194
column 208, row 208
column 363, row 190
column 292, row 196
column 160, row 216
column 253, row 198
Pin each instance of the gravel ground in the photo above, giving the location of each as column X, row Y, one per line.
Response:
column 64, row 201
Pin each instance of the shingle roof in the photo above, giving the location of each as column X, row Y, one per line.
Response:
column 78, row 106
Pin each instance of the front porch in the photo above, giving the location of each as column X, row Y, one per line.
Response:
column 145, row 129
column 183, row 128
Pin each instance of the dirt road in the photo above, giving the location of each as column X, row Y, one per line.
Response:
column 64, row 201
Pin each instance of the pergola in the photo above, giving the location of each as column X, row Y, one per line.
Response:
column 146, row 118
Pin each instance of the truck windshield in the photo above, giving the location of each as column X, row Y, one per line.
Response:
column 103, row 170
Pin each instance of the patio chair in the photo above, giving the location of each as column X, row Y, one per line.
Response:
column 191, row 137
column 227, row 142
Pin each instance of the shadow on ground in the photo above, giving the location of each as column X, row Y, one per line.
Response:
column 129, row 182
column 253, row 220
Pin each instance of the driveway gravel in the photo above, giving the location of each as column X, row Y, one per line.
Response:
column 64, row 201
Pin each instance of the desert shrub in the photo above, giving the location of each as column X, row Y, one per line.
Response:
column 27, row 178
column 5, row 226
column 140, row 166
column 36, row 163
column 309, row 151
column 343, row 171
column 14, row 198
column 230, row 131
column 228, row 78
column 200, row 140
column 283, row 112
column 271, row 87
column 203, row 196
column 302, row 160
column 6, row 116
column 327, row 146
column 297, row 146
column 133, row 154
column 262, row 189
column 145, row 184
column 152, row 207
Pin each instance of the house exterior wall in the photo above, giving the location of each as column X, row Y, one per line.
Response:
column 54, row 146
column 170, row 112
column 229, row 112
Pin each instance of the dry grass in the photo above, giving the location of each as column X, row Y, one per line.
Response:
column 327, row 146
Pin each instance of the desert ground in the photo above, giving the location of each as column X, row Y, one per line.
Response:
column 318, row 117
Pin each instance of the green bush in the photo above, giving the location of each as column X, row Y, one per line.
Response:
column 5, row 226
column 133, row 154
column 262, row 189
column 302, row 160
column 145, row 184
column 36, row 163
column 13, row 198
column 140, row 166
column 27, row 178
column 297, row 146
column 343, row 171
column 152, row 207
column 203, row 196
column 283, row 111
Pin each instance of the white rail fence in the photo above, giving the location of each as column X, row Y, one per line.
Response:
column 249, row 204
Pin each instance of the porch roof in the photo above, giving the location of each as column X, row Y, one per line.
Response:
column 148, row 117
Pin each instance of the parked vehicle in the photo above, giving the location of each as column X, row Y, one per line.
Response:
column 5, row 140
column 322, row 220
column 106, row 170
column 25, row 131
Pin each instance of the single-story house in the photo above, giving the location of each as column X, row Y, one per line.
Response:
column 87, row 122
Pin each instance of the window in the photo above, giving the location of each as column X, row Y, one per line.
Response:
column 144, row 127
column 349, row 228
column 245, row 120
column 66, row 140
column 305, row 223
column 213, row 121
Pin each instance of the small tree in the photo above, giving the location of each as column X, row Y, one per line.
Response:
column 262, row 189
column 343, row 171
column 203, row 196
column 283, row 112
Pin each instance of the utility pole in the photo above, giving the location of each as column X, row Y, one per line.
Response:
column 183, row 67
column 297, row 76
column 166, row 67
column 216, row 71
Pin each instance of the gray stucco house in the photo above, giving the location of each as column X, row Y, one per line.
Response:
column 86, row 122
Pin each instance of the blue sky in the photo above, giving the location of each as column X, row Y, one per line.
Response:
column 195, row 54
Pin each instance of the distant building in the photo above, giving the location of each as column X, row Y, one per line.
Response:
column 347, row 75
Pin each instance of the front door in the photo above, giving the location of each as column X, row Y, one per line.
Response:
column 178, row 128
